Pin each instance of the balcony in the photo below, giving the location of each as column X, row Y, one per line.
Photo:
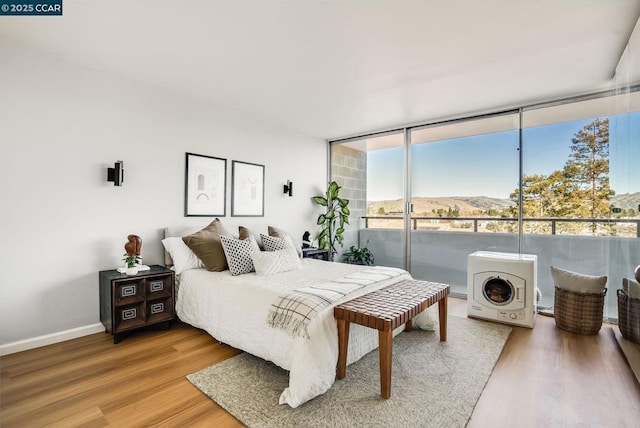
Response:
column 440, row 254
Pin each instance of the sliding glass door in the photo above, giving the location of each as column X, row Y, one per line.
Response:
column 463, row 177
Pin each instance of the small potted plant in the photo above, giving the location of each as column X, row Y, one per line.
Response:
column 358, row 256
column 131, row 261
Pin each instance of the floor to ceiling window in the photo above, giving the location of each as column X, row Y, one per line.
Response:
column 371, row 171
column 462, row 176
column 580, row 194
column 436, row 193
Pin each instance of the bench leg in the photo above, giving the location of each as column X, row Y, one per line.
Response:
column 442, row 312
column 408, row 326
column 385, row 339
column 343, row 344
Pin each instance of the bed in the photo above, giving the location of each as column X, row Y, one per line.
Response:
column 234, row 310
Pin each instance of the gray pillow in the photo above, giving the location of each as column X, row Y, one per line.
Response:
column 631, row 288
column 577, row 282
column 245, row 232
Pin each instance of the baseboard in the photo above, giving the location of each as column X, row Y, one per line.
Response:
column 49, row 339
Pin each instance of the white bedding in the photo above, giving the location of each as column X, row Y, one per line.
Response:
column 233, row 309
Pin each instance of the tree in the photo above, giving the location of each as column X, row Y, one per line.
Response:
column 588, row 169
column 580, row 190
column 381, row 211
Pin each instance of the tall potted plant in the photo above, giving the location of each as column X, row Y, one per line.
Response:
column 334, row 218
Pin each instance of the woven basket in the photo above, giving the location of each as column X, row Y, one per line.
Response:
column 578, row 312
column 629, row 317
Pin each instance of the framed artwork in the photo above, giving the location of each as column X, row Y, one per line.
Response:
column 205, row 186
column 247, row 189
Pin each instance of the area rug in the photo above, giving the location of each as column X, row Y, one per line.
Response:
column 434, row 384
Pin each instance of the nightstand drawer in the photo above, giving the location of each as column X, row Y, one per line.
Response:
column 315, row 253
column 159, row 310
column 128, row 292
column 159, row 286
column 130, row 316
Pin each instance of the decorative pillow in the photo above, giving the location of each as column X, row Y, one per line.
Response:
column 238, row 252
column 631, row 288
column 206, row 245
column 577, row 282
column 279, row 233
column 244, row 233
column 176, row 232
column 183, row 258
column 272, row 243
column 272, row 262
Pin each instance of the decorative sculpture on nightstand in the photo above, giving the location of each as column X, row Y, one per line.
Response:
column 133, row 245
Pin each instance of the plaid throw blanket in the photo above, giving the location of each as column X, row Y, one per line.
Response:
column 293, row 312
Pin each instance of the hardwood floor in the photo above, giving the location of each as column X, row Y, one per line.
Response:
column 544, row 377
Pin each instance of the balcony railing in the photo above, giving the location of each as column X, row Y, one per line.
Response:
column 552, row 221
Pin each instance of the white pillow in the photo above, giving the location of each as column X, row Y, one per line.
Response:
column 182, row 256
column 631, row 288
column 577, row 282
column 272, row 262
column 238, row 252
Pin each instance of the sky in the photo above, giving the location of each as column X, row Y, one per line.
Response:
column 487, row 165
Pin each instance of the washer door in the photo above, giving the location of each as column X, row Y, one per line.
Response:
column 499, row 290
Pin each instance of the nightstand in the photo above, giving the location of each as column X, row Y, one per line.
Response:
column 315, row 253
column 128, row 303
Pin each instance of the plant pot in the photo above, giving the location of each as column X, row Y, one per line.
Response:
column 132, row 270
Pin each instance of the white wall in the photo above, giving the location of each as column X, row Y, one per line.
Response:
column 61, row 126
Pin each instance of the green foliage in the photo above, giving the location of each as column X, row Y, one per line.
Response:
column 381, row 211
column 333, row 219
column 358, row 256
column 131, row 260
column 449, row 212
column 580, row 190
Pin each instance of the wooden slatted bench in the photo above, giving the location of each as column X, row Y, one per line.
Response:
column 385, row 310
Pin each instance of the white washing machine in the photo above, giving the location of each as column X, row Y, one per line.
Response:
column 502, row 287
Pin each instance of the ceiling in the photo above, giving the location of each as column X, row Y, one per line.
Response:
column 332, row 69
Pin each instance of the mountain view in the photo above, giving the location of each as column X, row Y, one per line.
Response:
column 474, row 206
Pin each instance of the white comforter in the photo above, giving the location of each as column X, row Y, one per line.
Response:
column 233, row 309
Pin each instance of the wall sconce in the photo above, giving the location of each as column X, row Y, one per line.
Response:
column 288, row 188
column 116, row 174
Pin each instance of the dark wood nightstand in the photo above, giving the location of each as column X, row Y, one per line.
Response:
column 315, row 253
column 128, row 303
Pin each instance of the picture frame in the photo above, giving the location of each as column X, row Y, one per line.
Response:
column 205, row 186
column 247, row 189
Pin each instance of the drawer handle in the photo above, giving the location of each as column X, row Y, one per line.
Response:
column 129, row 314
column 128, row 290
column 156, row 286
column 157, row 308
